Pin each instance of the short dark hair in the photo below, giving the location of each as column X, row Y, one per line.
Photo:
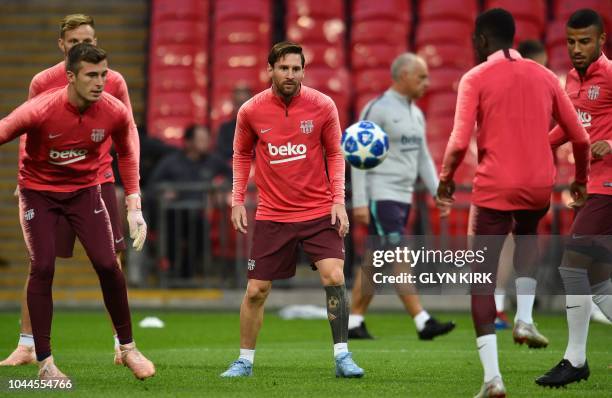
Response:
column 84, row 52
column 584, row 18
column 496, row 24
column 530, row 48
column 191, row 129
column 279, row 50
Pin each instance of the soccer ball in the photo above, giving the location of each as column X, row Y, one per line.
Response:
column 365, row 144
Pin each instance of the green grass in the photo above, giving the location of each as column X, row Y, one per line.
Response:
column 294, row 358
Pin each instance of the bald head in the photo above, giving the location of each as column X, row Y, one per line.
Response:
column 410, row 75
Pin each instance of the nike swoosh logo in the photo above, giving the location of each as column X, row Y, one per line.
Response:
column 52, row 136
column 397, row 120
column 118, row 240
column 262, row 131
column 97, row 211
column 481, row 346
column 574, row 236
column 574, row 306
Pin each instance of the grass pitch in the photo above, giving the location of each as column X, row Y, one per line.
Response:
column 294, row 358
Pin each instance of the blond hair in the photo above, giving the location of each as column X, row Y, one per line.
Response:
column 73, row 21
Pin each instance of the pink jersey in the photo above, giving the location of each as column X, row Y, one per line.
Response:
column 592, row 97
column 64, row 147
column 512, row 100
column 54, row 77
column 293, row 144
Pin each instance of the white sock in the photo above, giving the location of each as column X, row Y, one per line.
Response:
column 500, row 298
column 525, row 296
column 339, row 348
column 420, row 319
column 247, row 354
column 355, row 320
column 116, row 341
column 578, row 310
column 487, row 350
column 26, row 339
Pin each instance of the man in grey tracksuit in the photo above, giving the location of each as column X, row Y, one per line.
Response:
column 382, row 196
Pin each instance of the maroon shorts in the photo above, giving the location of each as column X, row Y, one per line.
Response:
column 591, row 231
column 275, row 246
column 65, row 235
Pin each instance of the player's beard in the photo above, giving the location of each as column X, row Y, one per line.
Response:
column 288, row 90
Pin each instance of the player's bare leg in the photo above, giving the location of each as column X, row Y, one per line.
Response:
column 332, row 278
column 251, row 319
column 24, row 354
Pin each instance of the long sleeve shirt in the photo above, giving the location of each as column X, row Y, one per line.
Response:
column 408, row 156
column 299, row 167
column 64, row 146
column 511, row 100
column 55, row 77
column 592, row 98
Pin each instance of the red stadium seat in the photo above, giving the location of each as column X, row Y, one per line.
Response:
column 556, row 34
column 180, row 32
column 333, row 82
column 373, row 81
column 225, row 79
column 534, row 10
column 242, row 32
column 170, row 130
column 196, row 10
column 221, row 110
column 380, row 31
column 325, row 9
column 445, row 32
column 441, row 105
column 307, row 29
column 324, row 55
column 398, row 10
column 367, row 56
column 526, row 30
column 178, row 105
column 260, row 10
column 179, row 55
column 565, row 8
column 444, row 79
column 177, row 79
column 430, row 10
column 446, row 55
column 240, row 55
column 438, row 130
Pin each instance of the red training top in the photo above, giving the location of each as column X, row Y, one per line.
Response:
column 55, row 77
column 512, row 100
column 293, row 144
column 64, row 147
column 592, row 97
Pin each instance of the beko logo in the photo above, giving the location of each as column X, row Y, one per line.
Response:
column 295, row 152
column 69, row 156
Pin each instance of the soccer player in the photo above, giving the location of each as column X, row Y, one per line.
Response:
column 587, row 261
column 511, row 100
column 382, row 197
column 75, row 29
column 294, row 132
column 529, row 49
column 67, row 129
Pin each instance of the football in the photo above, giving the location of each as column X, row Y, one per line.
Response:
column 365, row 145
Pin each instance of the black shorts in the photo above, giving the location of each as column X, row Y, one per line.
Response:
column 388, row 220
column 275, row 246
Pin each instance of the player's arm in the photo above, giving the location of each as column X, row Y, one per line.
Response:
column 463, row 126
column 330, row 137
column 18, row 122
column 123, row 95
column 128, row 169
column 244, row 141
column 565, row 114
column 33, row 91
